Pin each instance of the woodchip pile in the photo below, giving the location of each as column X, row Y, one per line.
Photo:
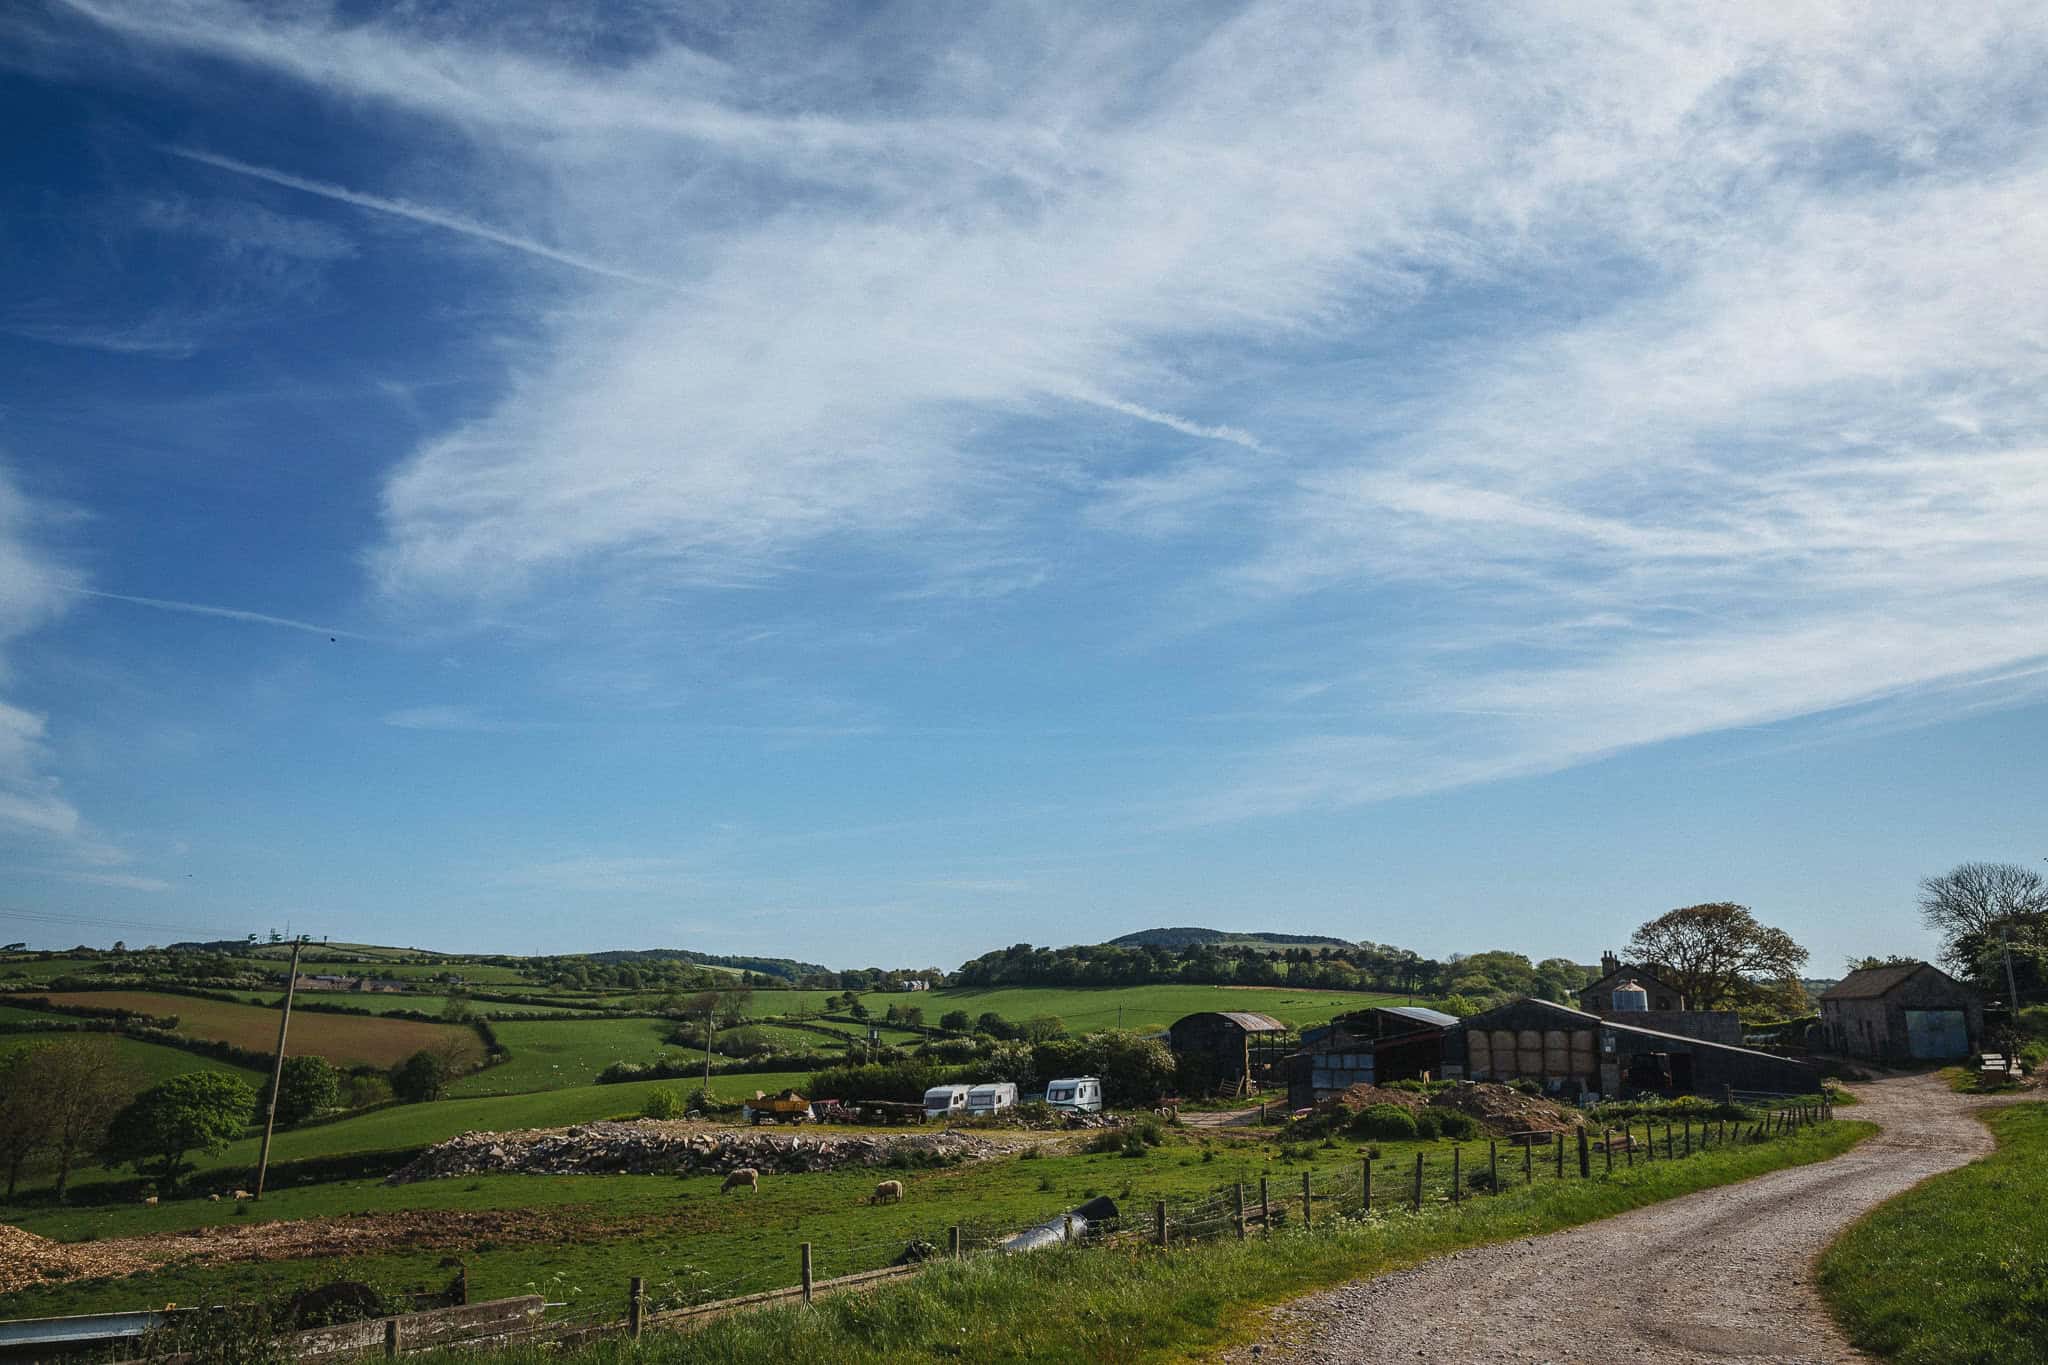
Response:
column 1505, row 1110
column 648, row 1148
column 27, row 1260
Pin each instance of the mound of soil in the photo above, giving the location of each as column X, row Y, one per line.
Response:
column 1505, row 1110
column 649, row 1148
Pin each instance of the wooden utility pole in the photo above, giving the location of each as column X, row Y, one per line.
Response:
column 291, row 986
column 710, row 1016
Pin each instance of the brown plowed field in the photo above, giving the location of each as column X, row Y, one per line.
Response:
column 344, row 1039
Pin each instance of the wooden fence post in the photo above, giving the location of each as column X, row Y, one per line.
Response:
column 1607, row 1145
column 1667, row 1140
column 1159, row 1221
column 1492, row 1166
column 1367, row 1165
column 1529, row 1159
column 1265, row 1210
column 1688, row 1135
column 1585, row 1157
column 1557, row 1140
column 1628, row 1144
column 390, row 1338
column 1307, row 1212
column 1418, row 1180
column 1649, row 1140
column 807, row 1271
column 1240, row 1210
column 635, row 1294
column 462, row 1286
column 1457, row 1174
column 953, row 1242
column 1067, row 1231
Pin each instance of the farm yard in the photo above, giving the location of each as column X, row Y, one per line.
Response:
column 345, row 1040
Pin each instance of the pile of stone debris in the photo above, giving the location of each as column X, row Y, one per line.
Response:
column 649, row 1148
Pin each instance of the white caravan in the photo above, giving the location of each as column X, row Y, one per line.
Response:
column 945, row 1101
column 991, row 1099
column 1076, row 1095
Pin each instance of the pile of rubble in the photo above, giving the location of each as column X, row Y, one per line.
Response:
column 648, row 1148
column 1504, row 1110
column 27, row 1260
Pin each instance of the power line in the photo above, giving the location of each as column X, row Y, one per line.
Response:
column 8, row 913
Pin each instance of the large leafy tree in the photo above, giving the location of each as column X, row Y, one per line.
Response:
column 310, row 1085
column 198, row 1112
column 83, row 1083
column 1720, row 957
column 24, row 1118
column 1980, row 908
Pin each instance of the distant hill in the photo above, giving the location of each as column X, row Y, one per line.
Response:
column 787, row 968
column 1189, row 937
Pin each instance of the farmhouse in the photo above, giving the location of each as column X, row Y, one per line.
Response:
column 1572, row 1051
column 1640, row 996
column 1386, row 1043
column 1226, row 1053
column 1906, row 1012
column 1615, row 974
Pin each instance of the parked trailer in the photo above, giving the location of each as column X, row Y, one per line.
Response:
column 788, row 1107
column 991, row 1099
column 1076, row 1095
column 945, row 1101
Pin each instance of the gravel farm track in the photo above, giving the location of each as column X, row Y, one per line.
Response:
column 1716, row 1277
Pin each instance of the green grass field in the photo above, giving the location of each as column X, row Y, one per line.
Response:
column 150, row 1062
column 406, row 1126
column 548, row 1054
column 343, row 1039
column 682, row 1235
column 1141, row 1007
column 1954, row 1271
column 20, row 973
column 477, row 972
column 379, row 1003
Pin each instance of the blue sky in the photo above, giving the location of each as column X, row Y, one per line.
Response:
column 874, row 484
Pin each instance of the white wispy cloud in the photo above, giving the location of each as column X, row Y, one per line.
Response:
column 257, row 618
column 418, row 213
column 1721, row 330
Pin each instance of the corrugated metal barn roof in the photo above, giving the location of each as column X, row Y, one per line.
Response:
column 1434, row 1018
column 1250, row 1023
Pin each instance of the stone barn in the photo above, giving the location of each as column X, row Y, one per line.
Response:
column 1369, row 1047
column 1908, row 1012
column 1225, row 1053
column 1571, row 1051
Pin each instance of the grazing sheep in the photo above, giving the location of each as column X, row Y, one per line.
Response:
column 243, row 1194
column 149, row 1202
column 888, row 1192
column 745, row 1176
column 213, row 1199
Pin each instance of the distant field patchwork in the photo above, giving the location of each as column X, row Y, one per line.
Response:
column 1142, row 1007
column 548, row 1054
column 345, row 1040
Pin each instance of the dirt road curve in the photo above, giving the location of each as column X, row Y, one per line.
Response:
column 1720, row 1276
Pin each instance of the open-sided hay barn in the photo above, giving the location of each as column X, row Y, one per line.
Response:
column 1570, row 1051
column 1221, row 1053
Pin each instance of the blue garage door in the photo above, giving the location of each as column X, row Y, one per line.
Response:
column 1936, row 1035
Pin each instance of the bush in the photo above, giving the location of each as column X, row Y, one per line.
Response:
column 903, row 1082
column 1457, row 1126
column 1526, row 1086
column 420, row 1077
column 665, row 1102
column 1429, row 1125
column 310, row 1085
column 1385, row 1122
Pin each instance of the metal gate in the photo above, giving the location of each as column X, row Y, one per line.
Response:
column 1935, row 1035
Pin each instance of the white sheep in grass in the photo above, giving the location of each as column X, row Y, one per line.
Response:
column 888, row 1192
column 746, row 1177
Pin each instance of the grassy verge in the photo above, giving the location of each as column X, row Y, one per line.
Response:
column 1956, row 1270
column 1136, row 1303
